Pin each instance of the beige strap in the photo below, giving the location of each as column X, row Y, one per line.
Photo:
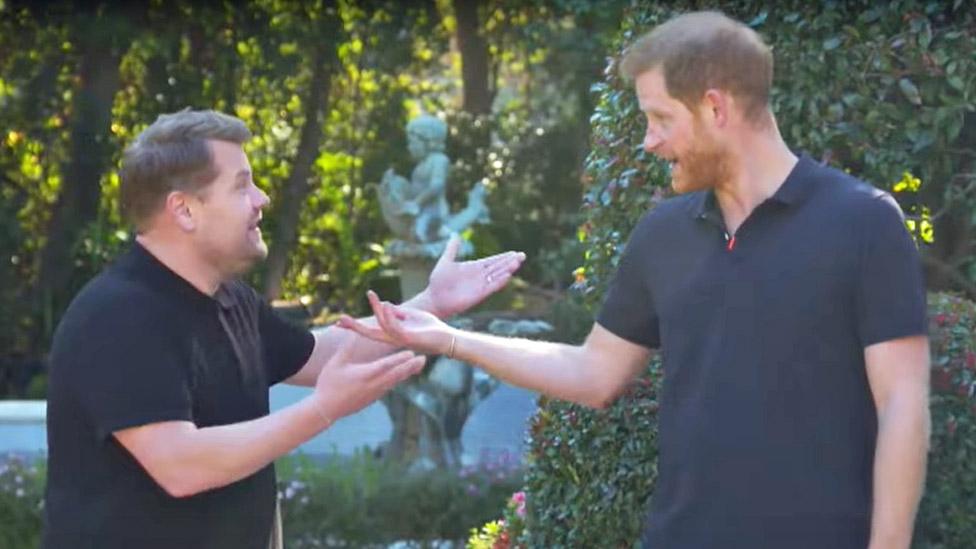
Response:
column 277, row 540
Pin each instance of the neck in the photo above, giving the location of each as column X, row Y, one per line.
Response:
column 181, row 259
column 758, row 165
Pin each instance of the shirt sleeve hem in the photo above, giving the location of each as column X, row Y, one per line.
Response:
column 306, row 354
column 621, row 333
column 898, row 332
column 108, row 428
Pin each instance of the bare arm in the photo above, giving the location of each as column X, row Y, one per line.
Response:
column 454, row 287
column 592, row 374
column 898, row 373
column 185, row 459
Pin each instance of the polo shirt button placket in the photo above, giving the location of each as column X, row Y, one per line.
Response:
column 729, row 241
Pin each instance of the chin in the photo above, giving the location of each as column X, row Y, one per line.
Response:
column 680, row 187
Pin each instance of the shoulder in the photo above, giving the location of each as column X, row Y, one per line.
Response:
column 667, row 213
column 856, row 199
column 112, row 305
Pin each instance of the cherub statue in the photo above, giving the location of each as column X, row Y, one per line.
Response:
column 416, row 209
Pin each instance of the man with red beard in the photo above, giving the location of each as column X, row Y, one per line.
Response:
column 787, row 300
column 159, row 431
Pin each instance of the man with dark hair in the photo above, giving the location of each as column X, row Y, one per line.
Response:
column 787, row 300
column 159, row 431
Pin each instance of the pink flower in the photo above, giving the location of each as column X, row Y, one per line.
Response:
column 518, row 498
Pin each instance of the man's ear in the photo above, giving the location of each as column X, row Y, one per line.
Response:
column 178, row 208
column 716, row 105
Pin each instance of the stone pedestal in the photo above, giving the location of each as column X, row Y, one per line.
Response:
column 414, row 273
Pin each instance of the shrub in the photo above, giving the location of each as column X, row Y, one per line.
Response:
column 879, row 89
column 947, row 517
column 21, row 502
column 364, row 501
column 340, row 501
column 503, row 533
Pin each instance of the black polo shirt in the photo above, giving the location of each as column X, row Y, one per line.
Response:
column 767, row 426
column 138, row 345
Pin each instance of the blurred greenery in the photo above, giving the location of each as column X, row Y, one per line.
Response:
column 329, row 501
column 326, row 87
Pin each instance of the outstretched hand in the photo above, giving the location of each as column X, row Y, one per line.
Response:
column 455, row 286
column 343, row 388
column 402, row 327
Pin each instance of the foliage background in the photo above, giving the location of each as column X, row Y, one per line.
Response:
column 326, row 87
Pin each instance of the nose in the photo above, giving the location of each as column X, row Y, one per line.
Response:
column 259, row 197
column 651, row 140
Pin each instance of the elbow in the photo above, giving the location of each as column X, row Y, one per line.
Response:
column 179, row 483
column 602, row 396
column 179, row 488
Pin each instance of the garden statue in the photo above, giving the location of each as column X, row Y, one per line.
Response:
column 429, row 411
column 417, row 210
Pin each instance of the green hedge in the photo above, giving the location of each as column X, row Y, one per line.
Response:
column 883, row 90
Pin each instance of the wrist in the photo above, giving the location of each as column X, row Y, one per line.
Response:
column 424, row 302
column 451, row 347
column 889, row 541
column 325, row 415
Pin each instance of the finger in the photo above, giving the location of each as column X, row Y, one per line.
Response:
column 513, row 258
column 503, row 269
column 378, row 368
column 450, row 251
column 397, row 312
column 351, row 324
column 393, row 317
column 379, row 310
column 394, row 376
column 497, row 281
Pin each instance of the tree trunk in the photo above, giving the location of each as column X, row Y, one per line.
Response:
column 77, row 203
column 475, row 61
column 297, row 187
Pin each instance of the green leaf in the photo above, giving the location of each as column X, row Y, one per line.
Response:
column 759, row 19
column 910, row 91
column 831, row 43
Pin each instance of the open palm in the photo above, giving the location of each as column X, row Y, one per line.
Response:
column 457, row 286
column 402, row 327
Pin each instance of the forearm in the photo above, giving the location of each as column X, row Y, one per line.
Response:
column 899, row 469
column 200, row 459
column 554, row 369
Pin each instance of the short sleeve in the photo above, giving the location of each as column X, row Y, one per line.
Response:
column 628, row 310
column 126, row 373
column 287, row 346
column 891, row 300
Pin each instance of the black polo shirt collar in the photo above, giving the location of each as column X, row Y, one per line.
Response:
column 794, row 190
column 161, row 276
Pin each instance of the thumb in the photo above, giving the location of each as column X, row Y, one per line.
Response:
column 451, row 250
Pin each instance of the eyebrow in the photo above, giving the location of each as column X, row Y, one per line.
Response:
column 243, row 176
